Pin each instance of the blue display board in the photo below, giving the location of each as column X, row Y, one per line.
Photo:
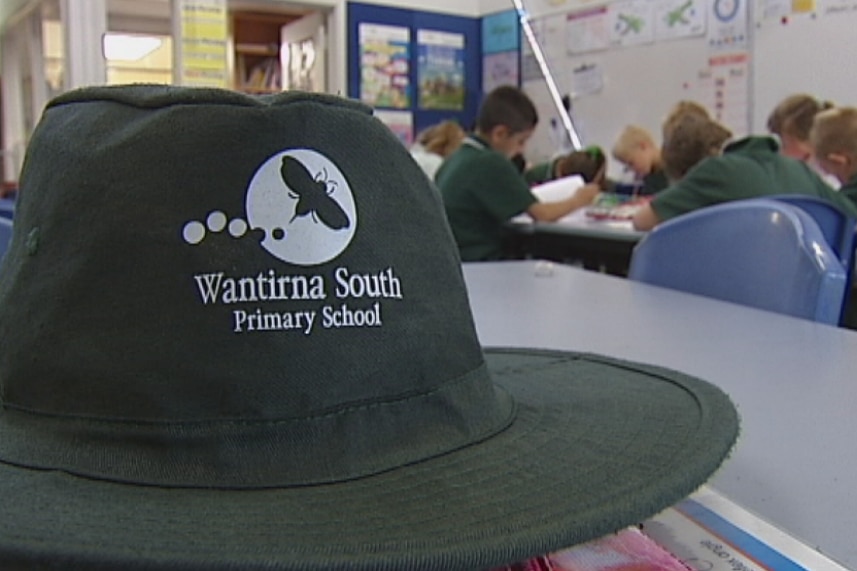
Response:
column 414, row 21
column 500, row 32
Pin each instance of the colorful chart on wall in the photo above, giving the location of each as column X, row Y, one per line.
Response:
column 385, row 65
column 440, row 70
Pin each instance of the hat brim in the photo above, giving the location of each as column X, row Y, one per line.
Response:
column 597, row 444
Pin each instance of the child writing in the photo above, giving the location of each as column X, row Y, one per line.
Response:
column 481, row 187
column 637, row 150
column 590, row 163
column 704, row 175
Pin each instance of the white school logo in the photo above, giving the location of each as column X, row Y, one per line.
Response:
column 302, row 202
column 305, row 208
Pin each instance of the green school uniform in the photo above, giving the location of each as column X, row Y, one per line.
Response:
column 849, row 190
column 481, row 191
column 540, row 173
column 748, row 168
column 654, row 182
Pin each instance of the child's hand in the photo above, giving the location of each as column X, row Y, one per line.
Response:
column 588, row 192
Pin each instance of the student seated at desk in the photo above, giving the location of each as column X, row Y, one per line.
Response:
column 590, row 163
column 481, row 187
column 435, row 144
column 791, row 121
column 637, row 150
column 833, row 139
column 705, row 175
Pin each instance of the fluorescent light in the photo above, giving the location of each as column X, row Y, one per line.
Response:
column 127, row 47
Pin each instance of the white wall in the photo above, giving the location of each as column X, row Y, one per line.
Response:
column 494, row 6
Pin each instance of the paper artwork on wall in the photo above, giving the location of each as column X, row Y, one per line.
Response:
column 727, row 29
column 499, row 69
column 632, row 22
column 679, row 19
column 401, row 123
column 440, row 69
column 588, row 30
column 384, row 65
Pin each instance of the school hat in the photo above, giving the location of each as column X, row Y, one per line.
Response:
column 235, row 335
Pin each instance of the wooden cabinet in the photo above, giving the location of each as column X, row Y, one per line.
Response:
column 256, row 40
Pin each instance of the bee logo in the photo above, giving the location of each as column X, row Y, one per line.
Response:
column 304, row 205
column 313, row 194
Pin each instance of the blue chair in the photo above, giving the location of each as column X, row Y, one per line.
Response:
column 5, row 235
column 838, row 228
column 759, row 252
column 7, row 208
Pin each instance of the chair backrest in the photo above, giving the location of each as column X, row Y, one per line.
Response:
column 838, row 228
column 5, row 235
column 7, row 208
column 836, row 225
column 758, row 252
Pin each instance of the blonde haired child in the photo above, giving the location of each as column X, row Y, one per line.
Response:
column 833, row 137
column 637, row 150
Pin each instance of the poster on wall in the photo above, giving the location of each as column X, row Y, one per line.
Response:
column 401, row 123
column 723, row 87
column 587, row 30
column 500, row 69
column 500, row 32
column 727, row 30
column 680, row 19
column 201, row 50
column 440, row 70
column 632, row 22
column 384, row 65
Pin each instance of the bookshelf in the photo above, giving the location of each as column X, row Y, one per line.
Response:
column 256, row 41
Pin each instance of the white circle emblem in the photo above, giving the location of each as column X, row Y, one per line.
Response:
column 304, row 205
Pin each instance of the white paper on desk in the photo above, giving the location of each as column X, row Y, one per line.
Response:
column 558, row 189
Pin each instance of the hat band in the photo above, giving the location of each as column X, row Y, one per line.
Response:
column 349, row 443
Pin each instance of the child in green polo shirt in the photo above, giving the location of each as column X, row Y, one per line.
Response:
column 481, row 187
column 705, row 175
column 791, row 120
column 833, row 138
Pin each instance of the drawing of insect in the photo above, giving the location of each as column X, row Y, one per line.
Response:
column 313, row 194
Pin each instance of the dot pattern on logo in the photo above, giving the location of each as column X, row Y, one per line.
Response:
column 194, row 232
column 300, row 201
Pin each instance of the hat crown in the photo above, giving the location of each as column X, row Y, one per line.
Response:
column 201, row 266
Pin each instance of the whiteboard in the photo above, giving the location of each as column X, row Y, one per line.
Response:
column 813, row 54
column 639, row 85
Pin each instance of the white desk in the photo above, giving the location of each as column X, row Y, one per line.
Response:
column 794, row 381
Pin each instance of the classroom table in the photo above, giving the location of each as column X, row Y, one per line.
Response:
column 604, row 245
column 794, row 381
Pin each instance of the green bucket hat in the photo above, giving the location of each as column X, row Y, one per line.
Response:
column 234, row 335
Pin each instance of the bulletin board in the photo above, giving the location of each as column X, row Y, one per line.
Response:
column 413, row 26
column 805, row 52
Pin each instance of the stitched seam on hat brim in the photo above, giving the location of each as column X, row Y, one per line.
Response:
column 353, row 407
